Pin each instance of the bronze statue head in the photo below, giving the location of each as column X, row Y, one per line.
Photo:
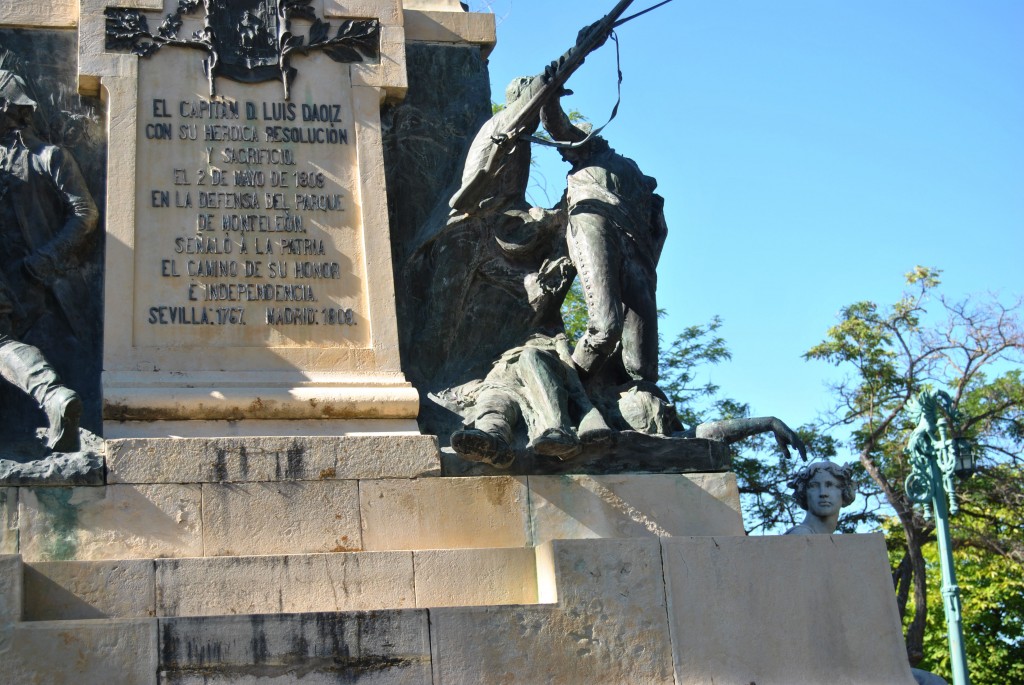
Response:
column 516, row 88
column 15, row 104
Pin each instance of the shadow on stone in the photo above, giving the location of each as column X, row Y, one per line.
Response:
column 626, row 452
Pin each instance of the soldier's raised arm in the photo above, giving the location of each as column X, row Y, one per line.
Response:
column 498, row 148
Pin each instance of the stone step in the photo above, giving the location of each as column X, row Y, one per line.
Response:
column 334, row 514
column 11, row 588
column 672, row 611
column 247, row 459
column 278, row 584
column 270, row 459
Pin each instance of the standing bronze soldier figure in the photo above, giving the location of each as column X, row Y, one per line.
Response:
column 615, row 235
column 46, row 215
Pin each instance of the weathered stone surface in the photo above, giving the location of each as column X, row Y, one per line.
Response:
column 375, row 648
column 475, row 577
column 610, row 625
column 547, row 583
column 11, row 588
column 59, row 13
column 794, row 609
column 37, row 467
column 280, row 518
column 282, row 428
column 431, row 26
column 285, row 584
column 62, row 590
column 628, row 506
column 82, row 653
column 205, row 460
column 365, row 457
column 115, row 522
column 433, row 5
column 8, row 520
column 444, row 513
column 389, row 11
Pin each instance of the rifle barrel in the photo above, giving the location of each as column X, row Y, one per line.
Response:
column 571, row 60
column 515, row 120
column 631, row 17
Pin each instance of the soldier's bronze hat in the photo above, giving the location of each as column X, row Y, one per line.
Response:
column 14, row 91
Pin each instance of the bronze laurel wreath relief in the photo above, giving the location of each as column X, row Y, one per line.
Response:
column 250, row 42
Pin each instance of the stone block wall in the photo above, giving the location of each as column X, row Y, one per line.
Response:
column 174, row 498
column 679, row 611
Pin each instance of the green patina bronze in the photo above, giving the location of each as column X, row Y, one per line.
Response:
column 60, row 543
column 935, row 458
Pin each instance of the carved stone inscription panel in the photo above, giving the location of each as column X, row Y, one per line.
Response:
column 248, row 271
column 247, row 219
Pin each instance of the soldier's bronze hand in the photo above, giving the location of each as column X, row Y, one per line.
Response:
column 40, row 267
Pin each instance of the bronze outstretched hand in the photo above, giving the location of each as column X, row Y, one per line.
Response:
column 734, row 430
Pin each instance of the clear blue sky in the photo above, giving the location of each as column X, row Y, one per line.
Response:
column 810, row 154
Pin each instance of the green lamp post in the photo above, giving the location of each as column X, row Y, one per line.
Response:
column 935, row 458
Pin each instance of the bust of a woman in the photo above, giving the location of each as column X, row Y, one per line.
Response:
column 822, row 489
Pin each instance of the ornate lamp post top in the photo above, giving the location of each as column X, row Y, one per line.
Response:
column 935, row 458
column 937, row 418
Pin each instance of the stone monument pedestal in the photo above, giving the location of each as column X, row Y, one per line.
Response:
column 309, row 560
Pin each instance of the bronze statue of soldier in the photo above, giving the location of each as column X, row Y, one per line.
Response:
column 500, row 272
column 46, row 215
column 616, row 232
column 533, row 381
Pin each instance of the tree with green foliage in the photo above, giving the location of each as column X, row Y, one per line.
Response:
column 991, row 581
column 974, row 350
column 574, row 313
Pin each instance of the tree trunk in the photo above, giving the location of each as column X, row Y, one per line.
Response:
column 901, row 579
column 915, row 632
